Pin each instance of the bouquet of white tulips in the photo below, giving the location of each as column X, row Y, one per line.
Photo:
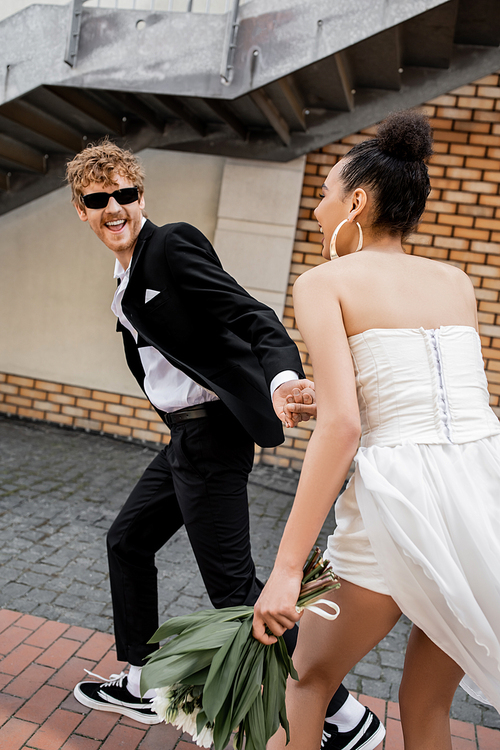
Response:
column 213, row 678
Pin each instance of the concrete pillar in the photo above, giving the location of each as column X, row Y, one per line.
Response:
column 256, row 222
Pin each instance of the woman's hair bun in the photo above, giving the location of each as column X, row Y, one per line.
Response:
column 406, row 135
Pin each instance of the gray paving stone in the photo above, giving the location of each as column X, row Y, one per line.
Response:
column 376, row 688
column 8, row 573
column 91, row 606
column 11, row 592
column 368, row 670
column 39, row 596
column 94, row 621
column 32, row 536
column 372, row 657
column 27, row 605
column 491, row 718
column 33, row 579
column 91, row 577
column 59, row 492
column 46, row 569
column 58, row 584
column 80, row 590
column 101, row 565
column 68, row 600
column 394, row 693
column 36, row 554
column 19, row 563
column 394, row 641
column 392, row 675
column 50, row 612
column 468, row 712
column 391, row 659
column 352, row 682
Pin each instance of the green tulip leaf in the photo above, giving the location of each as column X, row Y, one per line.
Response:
column 201, row 720
column 173, row 669
column 197, row 639
column 249, row 682
column 196, row 679
column 284, row 723
column 222, row 725
column 177, row 625
column 287, row 660
column 223, row 669
column 256, row 720
column 273, row 693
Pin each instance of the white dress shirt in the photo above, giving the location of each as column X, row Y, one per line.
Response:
column 167, row 387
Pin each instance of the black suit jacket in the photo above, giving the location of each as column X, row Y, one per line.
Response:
column 206, row 325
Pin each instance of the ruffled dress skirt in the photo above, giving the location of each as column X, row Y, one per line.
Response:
column 420, row 521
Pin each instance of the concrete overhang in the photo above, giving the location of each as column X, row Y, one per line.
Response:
column 302, row 74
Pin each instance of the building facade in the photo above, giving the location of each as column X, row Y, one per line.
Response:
column 61, row 360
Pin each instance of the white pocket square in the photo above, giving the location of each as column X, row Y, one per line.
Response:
column 150, row 294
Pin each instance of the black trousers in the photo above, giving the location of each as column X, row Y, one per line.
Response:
column 200, row 481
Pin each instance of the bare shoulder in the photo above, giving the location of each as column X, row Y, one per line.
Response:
column 435, row 270
column 433, row 265
column 326, row 275
column 318, row 289
column 450, row 273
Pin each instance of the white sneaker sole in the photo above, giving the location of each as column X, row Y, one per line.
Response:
column 371, row 742
column 132, row 713
column 375, row 740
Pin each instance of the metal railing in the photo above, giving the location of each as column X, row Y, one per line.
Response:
column 181, row 6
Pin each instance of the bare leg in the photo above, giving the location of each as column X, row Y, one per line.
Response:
column 430, row 679
column 325, row 653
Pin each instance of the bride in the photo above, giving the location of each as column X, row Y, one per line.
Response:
column 397, row 362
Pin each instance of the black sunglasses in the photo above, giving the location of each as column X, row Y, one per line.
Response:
column 100, row 200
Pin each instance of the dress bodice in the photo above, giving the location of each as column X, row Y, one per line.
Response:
column 421, row 386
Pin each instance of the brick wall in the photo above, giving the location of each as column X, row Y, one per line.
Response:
column 83, row 408
column 461, row 224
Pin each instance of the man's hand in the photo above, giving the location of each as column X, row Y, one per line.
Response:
column 294, row 402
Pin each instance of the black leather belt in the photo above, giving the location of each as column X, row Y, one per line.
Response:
column 183, row 415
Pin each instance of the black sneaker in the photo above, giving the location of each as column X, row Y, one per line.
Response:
column 367, row 735
column 112, row 695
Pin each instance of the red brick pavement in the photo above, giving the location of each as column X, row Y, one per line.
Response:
column 41, row 661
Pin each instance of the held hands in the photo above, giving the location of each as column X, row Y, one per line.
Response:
column 275, row 607
column 295, row 401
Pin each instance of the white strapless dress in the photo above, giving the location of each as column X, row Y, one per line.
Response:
column 420, row 518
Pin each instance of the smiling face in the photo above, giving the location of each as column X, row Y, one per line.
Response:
column 334, row 208
column 115, row 225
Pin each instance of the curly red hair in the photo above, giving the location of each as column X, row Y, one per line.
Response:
column 100, row 162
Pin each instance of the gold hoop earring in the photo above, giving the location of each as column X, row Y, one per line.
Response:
column 333, row 241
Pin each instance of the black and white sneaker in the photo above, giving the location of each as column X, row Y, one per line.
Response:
column 113, row 695
column 367, row 735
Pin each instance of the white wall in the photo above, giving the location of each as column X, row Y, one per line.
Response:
column 56, row 280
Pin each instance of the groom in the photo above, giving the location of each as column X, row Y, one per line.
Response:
column 213, row 362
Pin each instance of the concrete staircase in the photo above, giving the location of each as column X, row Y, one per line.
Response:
column 268, row 79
